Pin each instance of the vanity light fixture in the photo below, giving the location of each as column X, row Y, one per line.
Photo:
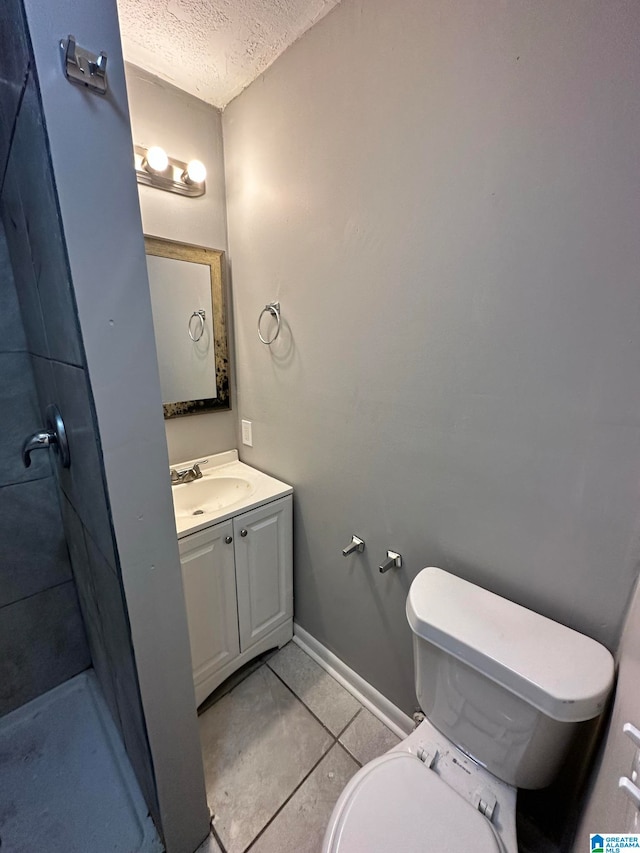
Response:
column 154, row 168
column 155, row 160
column 195, row 173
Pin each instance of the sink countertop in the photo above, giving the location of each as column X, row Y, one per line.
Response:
column 221, row 465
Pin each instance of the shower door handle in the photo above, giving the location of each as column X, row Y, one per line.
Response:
column 54, row 435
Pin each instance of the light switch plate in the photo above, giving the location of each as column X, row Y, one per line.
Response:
column 247, row 433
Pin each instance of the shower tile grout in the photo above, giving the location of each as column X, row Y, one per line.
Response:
column 24, row 482
column 25, row 81
column 39, row 592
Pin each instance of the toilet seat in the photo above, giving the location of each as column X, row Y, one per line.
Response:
column 397, row 803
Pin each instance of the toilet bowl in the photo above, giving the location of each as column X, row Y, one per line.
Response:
column 503, row 691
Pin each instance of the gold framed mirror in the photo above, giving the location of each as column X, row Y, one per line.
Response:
column 190, row 324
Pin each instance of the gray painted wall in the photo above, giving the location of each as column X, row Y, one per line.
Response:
column 91, row 154
column 186, row 128
column 444, row 198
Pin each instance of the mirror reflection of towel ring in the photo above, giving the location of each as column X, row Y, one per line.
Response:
column 272, row 308
column 200, row 330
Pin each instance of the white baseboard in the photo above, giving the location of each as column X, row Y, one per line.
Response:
column 365, row 693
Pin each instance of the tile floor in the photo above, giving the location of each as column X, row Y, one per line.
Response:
column 279, row 743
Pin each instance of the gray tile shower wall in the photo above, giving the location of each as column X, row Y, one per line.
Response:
column 84, row 570
column 13, row 70
column 43, row 644
column 34, row 553
column 41, row 632
column 29, row 165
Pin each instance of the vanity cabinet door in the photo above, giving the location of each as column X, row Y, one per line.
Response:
column 208, row 576
column 264, row 569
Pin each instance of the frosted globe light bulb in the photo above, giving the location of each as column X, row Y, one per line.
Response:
column 157, row 159
column 195, row 173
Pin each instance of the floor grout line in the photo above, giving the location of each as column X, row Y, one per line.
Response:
column 339, row 735
column 335, row 741
column 214, row 832
column 333, row 737
column 351, row 755
column 315, row 717
column 291, row 795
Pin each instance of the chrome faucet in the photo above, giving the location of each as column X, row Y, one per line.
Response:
column 187, row 475
column 55, row 435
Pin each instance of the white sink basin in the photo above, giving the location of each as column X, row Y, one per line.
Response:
column 209, row 495
column 227, row 488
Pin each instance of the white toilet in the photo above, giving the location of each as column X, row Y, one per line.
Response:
column 503, row 690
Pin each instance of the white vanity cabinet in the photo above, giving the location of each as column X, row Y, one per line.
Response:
column 264, row 570
column 238, row 585
column 209, row 580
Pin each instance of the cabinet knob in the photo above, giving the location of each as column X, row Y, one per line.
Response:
column 243, row 532
column 228, row 539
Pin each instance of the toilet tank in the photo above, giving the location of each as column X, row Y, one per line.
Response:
column 506, row 685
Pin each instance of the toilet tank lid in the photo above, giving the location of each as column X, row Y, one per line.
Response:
column 562, row 673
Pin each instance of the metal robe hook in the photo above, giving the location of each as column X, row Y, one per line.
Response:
column 84, row 68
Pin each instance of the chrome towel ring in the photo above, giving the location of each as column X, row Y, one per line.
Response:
column 200, row 316
column 272, row 308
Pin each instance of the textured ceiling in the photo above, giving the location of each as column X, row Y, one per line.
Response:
column 213, row 48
